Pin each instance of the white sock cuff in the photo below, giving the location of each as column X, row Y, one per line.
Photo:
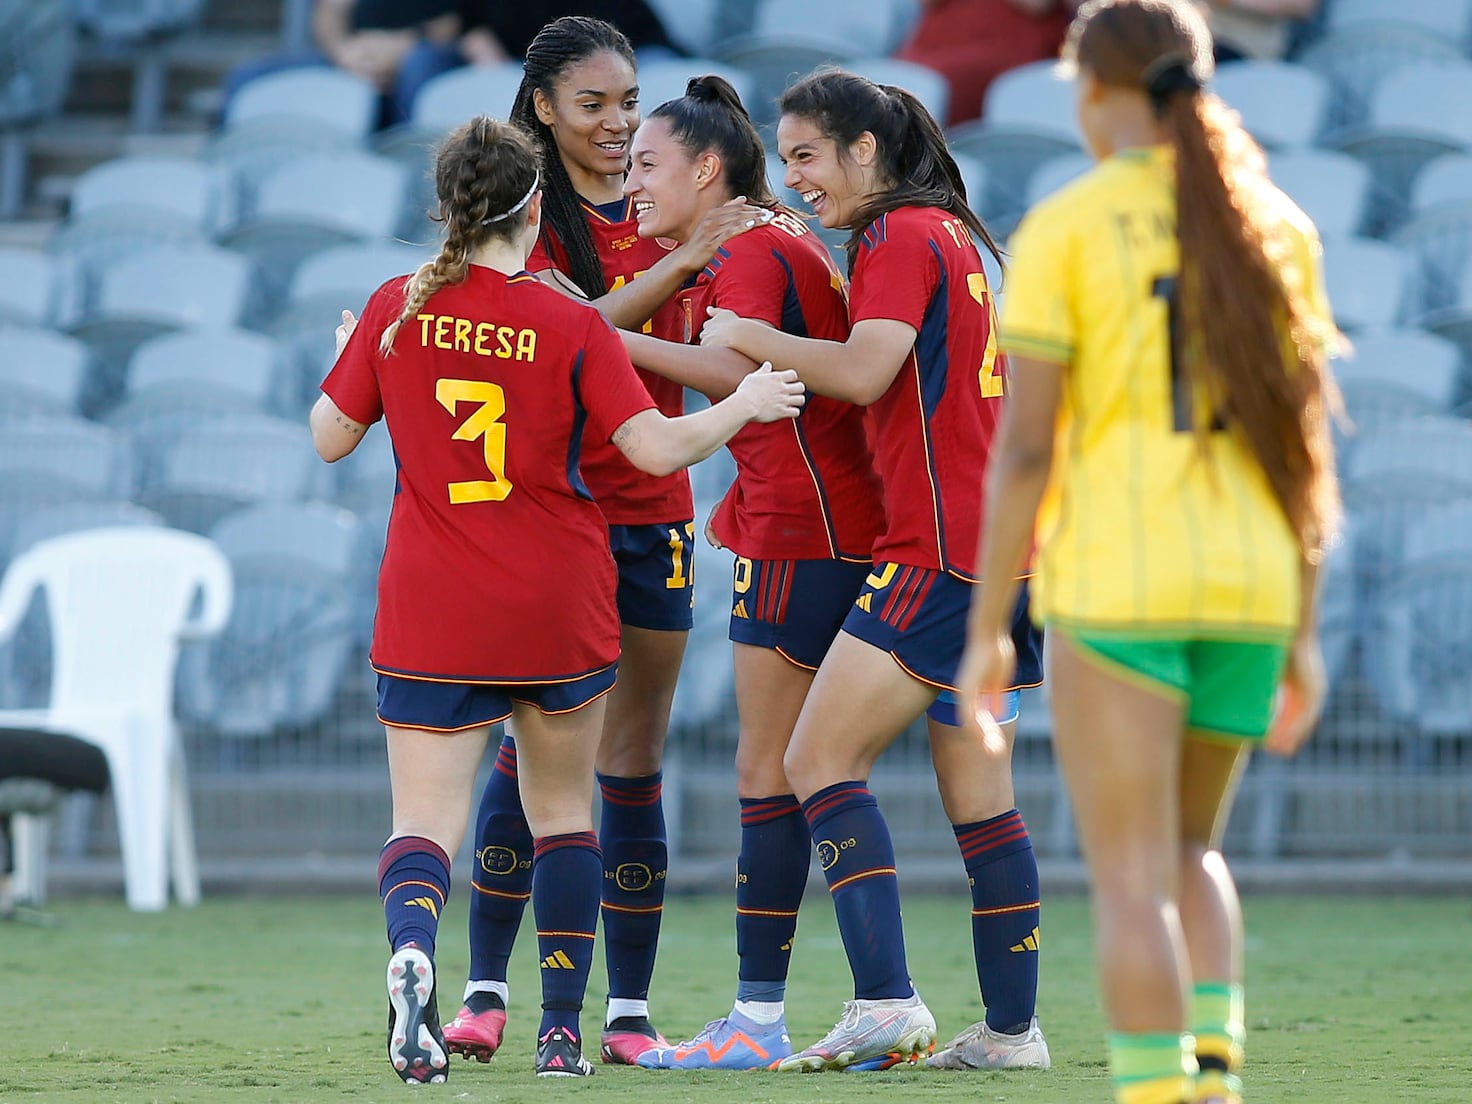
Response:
column 762, row 1012
column 619, row 1007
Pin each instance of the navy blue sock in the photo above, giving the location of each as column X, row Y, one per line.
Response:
column 565, row 881
column 414, row 883
column 1004, row 917
column 501, row 883
column 635, row 859
column 857, row 857
column 771, row 874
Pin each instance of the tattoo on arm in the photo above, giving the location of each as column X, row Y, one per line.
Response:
column 348, row 424
column 625, row 439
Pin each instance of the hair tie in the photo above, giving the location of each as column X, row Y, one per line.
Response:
column 536, row 183
column 1168, row 75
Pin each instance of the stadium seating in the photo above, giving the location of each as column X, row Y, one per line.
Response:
column 63, row 459
column 1282, row 105
column 1366, row 282
column 1028, row 119
column 1447, row 180
column 119, row 602
column 41, row 372
column 1401, row 135
column 1448, row 19
column 1439, row 241
column 312, row 203
column 1332, row 188
column 37, row 50
column 663, row 80
column 453, row 98
column 283, row 653
column 1357, row 59
column 693, row 24
column 140, row 33
column 36, row 289
column 213, row 470
column 1394, row 374
column 1056, row 172
column 153, row 292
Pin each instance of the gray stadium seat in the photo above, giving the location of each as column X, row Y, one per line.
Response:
column 1282, row 105
column 313, row 203
column 332, row 98
column 1055, row 173
column 455, row 97
column 63, row 460
column 1397, row 374
column 693, row 24
column 660, row 81
column 153, row 292
column 1366, row 281
column 1440, row 242
column 36, row 289
column 139, row 32
column 1447, row 180
column 1332, row 188
column 1356, row 59
column 286, row 647
column 180, row 380
column 1449, row 19
column 37, row 50
column 1405, row 131
column 214, row 470
column 1027, row 119
column 41, row 372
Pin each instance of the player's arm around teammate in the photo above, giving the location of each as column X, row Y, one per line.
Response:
column 1179, row 532
column 922, row 357
column 579, row 98
column 487, row 453
column 801, row 517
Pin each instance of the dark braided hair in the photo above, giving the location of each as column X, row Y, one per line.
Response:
column 913, row 157
column 562, row 43
column 485, row 174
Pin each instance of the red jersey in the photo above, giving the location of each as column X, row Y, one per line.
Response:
column 804, row 489
column 933, row 428
column 497, row 567
column 627, row 495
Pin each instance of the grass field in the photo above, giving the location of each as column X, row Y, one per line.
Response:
column 1350, row 1001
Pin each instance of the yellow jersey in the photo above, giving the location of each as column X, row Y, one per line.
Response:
column 1139, row 530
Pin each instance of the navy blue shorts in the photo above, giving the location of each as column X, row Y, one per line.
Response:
column 454, row 706
column 794, row 606
column 656, row 575
column 919, row 615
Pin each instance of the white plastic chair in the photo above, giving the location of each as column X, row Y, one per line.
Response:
column 1282, row 105
column 120, row 601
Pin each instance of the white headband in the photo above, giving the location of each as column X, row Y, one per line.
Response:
column 536, row 183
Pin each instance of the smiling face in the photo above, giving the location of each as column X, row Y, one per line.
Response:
column 833, row 181
column 593, row 113
column 670, row 188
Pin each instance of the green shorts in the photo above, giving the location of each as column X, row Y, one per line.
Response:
column 1227, row 686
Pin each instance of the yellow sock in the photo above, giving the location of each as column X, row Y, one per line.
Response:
column 1151, row 1068
column 1217, row 1024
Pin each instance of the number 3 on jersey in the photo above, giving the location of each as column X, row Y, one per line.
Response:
column 484, row 423
column 991, row 379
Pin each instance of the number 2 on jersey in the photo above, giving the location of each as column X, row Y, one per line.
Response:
column 991, row 379
column 483, row 423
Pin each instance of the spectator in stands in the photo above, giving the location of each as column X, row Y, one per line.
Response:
column 397, row 45
column 1258, row 29
column 500, row 30
column 972, row 42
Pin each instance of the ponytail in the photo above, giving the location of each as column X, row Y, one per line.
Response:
column 1249, row 344
column 485, row 176
column 913, row 156
column 711, row 117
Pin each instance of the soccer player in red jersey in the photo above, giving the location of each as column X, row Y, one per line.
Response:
column 922, row 357
column 579, row 98
column 490, row 381
column 801, row 517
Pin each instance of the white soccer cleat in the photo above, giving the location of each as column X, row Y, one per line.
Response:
column 979, row 1047
column 872, row 1035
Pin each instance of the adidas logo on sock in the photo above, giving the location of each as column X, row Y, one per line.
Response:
column 1029, row 944
column 557, row 960
column 425, row 903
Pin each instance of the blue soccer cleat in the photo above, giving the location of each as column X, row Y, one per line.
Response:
column 731, row 1043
